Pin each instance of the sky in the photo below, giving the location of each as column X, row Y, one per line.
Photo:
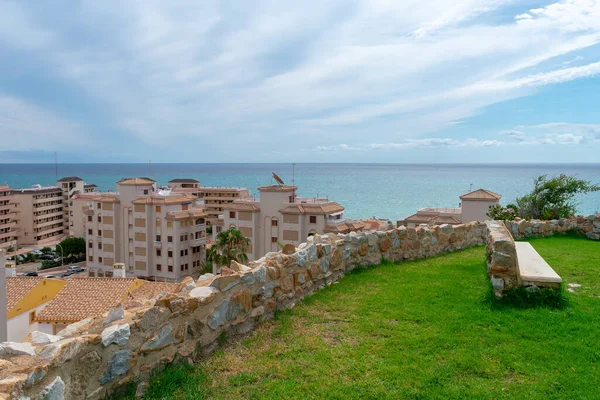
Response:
column 310, row 81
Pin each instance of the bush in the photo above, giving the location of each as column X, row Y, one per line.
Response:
column 498, row 212
column 49, row 264
column 46, row 250
column 553, row 198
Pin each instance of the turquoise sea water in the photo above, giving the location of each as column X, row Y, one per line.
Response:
column 390, row 191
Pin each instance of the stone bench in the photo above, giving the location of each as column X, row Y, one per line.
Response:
column 534, row 270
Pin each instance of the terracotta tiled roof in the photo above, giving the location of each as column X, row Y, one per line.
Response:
column 419, row 218
column 18, row 286
column 150, row 290
column 442, row 219
column 312, row 208
column 345, row 228
column 480, row 194
column 165, row 199
column 136, row 181
column 193, row 213
column 241, row 206
column 87, row 297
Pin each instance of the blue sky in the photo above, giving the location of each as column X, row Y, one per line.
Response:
column 310, row 81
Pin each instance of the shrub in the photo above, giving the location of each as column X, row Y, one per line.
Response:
column 553, row 198
column 498, row 212
column 46, row 250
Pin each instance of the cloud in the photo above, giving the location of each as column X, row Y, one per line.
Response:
column 337, row 147
column 436, row 142
column 236, row 77
column 25, row 126
column 514, row 134
column 554, row 133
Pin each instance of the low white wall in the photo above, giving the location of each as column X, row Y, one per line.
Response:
column 19, row 326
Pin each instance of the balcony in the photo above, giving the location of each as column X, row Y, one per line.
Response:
column 198, row 242
column 8, row 234
column 200, row 227
column 335, row 222
column 157, row 245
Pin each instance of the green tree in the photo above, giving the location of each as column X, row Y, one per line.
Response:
column 498, row 212
column 72, row 248
column 230, row 245
column 553, row 198
column 46, row 249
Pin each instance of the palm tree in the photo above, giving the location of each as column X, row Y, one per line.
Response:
column 230, row 245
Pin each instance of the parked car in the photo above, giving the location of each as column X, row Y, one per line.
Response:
column 30, row 274
column 37, row 252
column 68, row 273
column 51, row 276
column 76, row 269
column 47, row 256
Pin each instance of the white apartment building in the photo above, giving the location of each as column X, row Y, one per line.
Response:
column 158, row 234
column 71, row 186
column 278, row 217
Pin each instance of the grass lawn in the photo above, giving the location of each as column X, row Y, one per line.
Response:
column 422, row 330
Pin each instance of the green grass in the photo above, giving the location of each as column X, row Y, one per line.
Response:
column 418, row 330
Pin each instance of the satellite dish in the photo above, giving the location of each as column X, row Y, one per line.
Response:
column 278, row 179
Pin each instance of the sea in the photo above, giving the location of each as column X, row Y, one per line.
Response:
column 389, row 191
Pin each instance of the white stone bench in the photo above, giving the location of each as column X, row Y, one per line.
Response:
column 534, row 269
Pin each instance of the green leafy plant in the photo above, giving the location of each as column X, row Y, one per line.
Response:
column 553, row 198
column 498, row 212
column 46, row 250
column 73, row 249
column 230, row 245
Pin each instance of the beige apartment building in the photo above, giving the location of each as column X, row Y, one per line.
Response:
column 278, row 217
column 214, row 198
column 159, row 234
column 473, row 207
column 8, row 219
column 71, row 186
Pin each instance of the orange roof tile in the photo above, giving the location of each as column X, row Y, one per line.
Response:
column 17, row 287
column 136, row 181
column 241, row 206
column 86, row 297
column 312, row 208
column 480, row 194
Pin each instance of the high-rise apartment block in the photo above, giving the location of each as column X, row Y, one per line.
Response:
column 159, row 234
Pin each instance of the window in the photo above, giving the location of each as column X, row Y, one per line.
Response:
column 181, row 238
column 170, row 268
column 89, row 218
column 273, row 240
column 90, row 245
column 169, row 224
column 181, row 253
column 99, row 232
column 32, row 317
column 90, row 232
column 100, row 259
column 273, row 222
column 159, row 267
column 313, row 219
column 145, row 191
column 99, row 218
column 181, row 267
column 170, row 253
column 90, row 259
column 186, row 266
column 170, row 239
column 100, row 245
column 158, row 238
column 184, row 207
column 157, row 208
column 99, row 206
column 186, row 252
column 232, row 214
column 158, row 253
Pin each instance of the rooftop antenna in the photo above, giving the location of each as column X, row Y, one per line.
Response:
column 470, row 187
column 55, row 167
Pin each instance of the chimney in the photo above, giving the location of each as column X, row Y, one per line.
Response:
column 119, row 270
column 3, row 328
column 10, row 269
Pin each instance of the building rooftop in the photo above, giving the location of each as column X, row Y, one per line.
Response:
column 480, row 194
column 37, row 190
column 345, row 227
column 277, row 188
column 18, row 286
column 165, row 199
column 88, row 297
column 328, row 207
column 446, row 219
column 136, row 181
column 89, row 185
column 242, row 206
column 183, row 180
column 70, row 179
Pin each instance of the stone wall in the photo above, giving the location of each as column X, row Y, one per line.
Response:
column 95, row 356
column 501, row 258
